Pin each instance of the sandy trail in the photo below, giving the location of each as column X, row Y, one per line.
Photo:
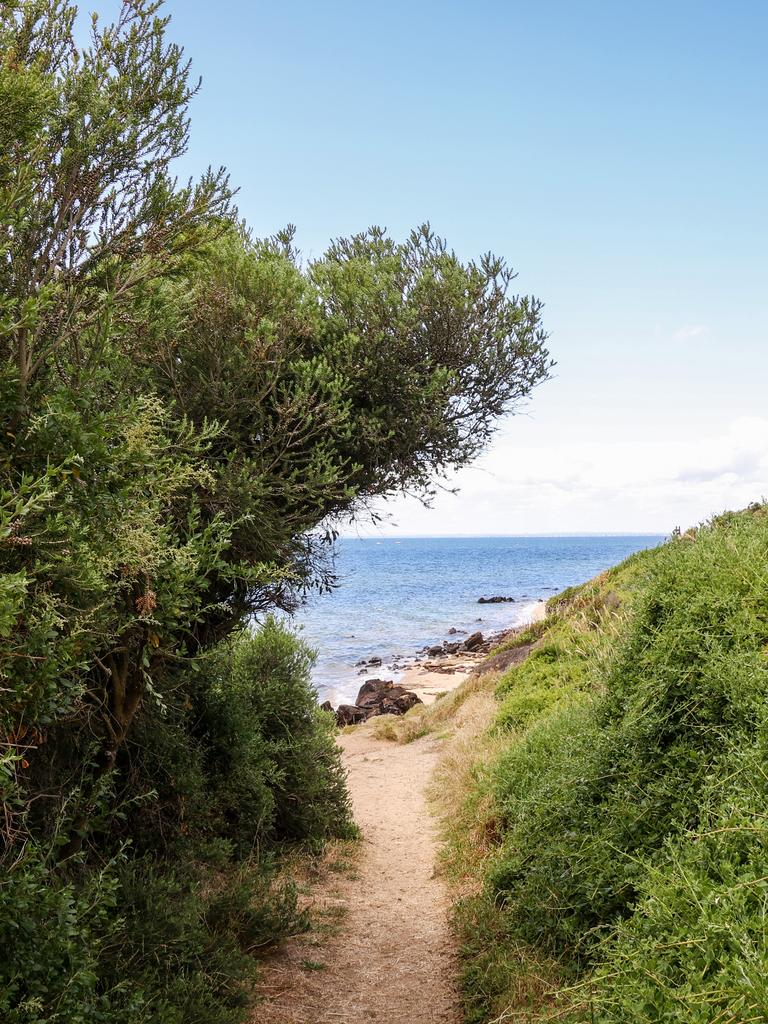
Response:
column 393, row 959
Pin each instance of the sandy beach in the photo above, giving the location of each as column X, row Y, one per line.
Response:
column 430, row 678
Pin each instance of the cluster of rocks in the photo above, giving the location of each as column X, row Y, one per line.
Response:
column 375, row 697
column 399, row 662
column 474, row 643
column 384, row 697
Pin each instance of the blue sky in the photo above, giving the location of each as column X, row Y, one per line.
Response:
column 615, row 153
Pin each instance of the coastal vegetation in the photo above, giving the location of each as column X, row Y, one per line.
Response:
column 606, row 834
column 188, row 412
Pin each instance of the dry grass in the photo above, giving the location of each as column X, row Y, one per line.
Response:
column 447, row 712
column 459, row 794
column 285, row 989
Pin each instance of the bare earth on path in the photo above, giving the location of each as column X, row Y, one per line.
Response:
column 393, row 959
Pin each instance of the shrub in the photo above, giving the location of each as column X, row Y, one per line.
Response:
column 632, row 842
column 270, row 751
column 171, row 930
column 137, row 942
column 52, row 937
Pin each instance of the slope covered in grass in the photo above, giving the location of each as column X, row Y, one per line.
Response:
column 622, row 799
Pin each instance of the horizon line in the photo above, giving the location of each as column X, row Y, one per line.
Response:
column 485, row 536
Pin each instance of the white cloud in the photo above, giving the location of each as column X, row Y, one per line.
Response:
column 597, row 486
column 688, row 331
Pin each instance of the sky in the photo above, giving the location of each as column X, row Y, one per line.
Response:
column 613, row 152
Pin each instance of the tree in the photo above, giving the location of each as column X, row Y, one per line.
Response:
column 188, row 414
column 90, row 209
column 190, row 411
column 377, row 368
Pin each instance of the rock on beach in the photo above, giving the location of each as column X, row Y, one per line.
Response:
column 377, row 697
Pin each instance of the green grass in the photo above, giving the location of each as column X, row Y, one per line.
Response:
column 580, row 625
column 626, row 799
column 313, row 965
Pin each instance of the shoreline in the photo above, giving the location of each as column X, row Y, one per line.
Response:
column 433, row 677
column 430, row 675
column 400, row 599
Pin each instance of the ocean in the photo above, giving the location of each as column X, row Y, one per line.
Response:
column 398, row 595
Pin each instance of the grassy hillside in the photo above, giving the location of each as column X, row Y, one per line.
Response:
column 608, row 836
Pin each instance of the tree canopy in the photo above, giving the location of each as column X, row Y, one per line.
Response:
column 188, row 414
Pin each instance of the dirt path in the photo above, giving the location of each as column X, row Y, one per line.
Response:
column 392, row 959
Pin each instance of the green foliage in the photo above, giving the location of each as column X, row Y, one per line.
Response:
column 136, row 942
column 270, row 751
column 566, row 645
column 188, row 414
column 90, row 209
column 633, row 844
column 52, row 934
column 434, row 349
column 376, row 368
column 695, row 943
column 171, row 929
column 551, row 673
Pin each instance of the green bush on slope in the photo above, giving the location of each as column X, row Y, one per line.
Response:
column 633, row 840
column 576, row 632
column 261, row 719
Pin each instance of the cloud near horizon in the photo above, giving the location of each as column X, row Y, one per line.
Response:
column 643, row 486
column 688, row 331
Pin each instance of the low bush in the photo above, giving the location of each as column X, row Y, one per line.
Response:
column 162, row 918
column 269, row 750
column 138, row 941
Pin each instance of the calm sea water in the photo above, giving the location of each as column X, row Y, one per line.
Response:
column 398, row 595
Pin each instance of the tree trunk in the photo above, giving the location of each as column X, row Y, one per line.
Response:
column 124, row 689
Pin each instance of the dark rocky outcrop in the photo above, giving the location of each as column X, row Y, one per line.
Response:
column 473, row 643
column 377, row 697
column 498, row 599
column 504, row 660
column 383, row 697
column 350, row 714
